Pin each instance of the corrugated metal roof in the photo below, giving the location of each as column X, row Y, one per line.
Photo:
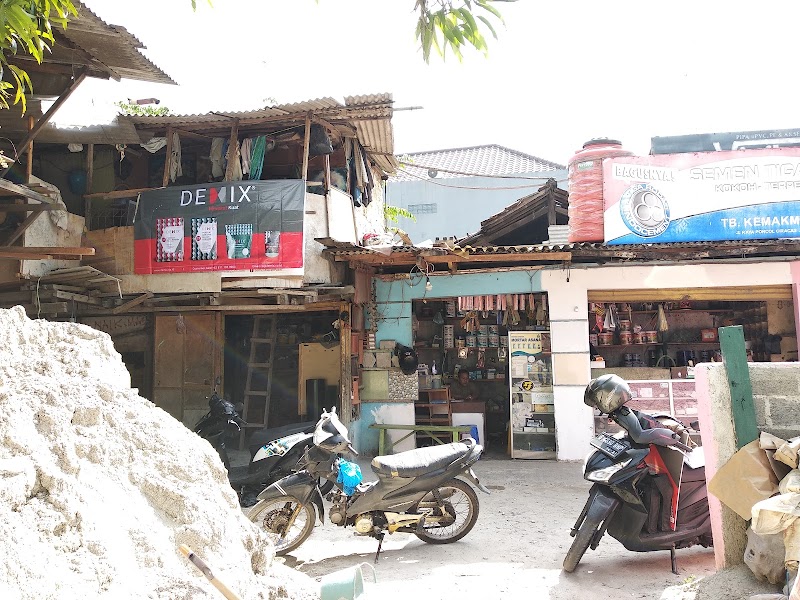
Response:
column 473, row 161
column 371, row 116
column 110, row 46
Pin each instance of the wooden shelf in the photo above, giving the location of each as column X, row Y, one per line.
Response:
column 626, row 345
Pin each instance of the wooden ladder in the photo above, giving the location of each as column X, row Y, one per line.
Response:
column 259, row 370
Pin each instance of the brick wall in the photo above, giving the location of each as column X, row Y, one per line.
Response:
column 776, row 393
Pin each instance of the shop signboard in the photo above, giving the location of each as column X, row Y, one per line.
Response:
column 710, row 196
column 732, row 140
column 226, row 226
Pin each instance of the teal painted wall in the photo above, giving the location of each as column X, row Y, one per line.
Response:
column 394, row 297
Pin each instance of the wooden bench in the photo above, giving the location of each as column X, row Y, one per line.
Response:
column 434, row 431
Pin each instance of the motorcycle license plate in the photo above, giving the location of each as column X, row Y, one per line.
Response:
column 609, row 445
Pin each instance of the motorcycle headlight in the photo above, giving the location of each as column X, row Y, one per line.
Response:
column 604, row 475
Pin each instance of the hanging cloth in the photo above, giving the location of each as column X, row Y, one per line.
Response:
column 370, row 184
column 175, row 167
column 257, row 157
column 247, row 149
column 155, row 144
column 217, row 157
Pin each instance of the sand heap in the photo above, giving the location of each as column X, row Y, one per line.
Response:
column 99, row 487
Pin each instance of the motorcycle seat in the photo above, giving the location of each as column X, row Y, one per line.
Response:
column 414, row 463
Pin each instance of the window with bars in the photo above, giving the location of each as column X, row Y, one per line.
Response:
column 422, row 209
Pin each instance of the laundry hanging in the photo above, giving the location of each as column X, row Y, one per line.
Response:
column 257, row 157
column 217, row 157
column 246, row 151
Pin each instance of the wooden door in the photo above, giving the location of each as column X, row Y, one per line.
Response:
column 187, row 359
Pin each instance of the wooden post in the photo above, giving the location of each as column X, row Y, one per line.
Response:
column 87, row 209
column 327, row 186
column 306, row 143
column 233, row 149
column 168, row 158
column 734, row 357
column 89, row 168
column 29, row 166
column 345, row 374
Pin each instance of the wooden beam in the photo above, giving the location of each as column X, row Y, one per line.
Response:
column 282, row 291
column 410, row 259
column 306, row 143
column 120, row 193
column 734, row 357
column 327, row 176
column 192, row 135
column 243, row 308
column 29, row 166
column 132, row 303
column 17, row 234
column 732, row 293
column 83, row 298
column 45, row 118
column 25, row 192
column 167, row 159
column 233, row 150
column 26, row 207
column 35, row 253
column 89, row 167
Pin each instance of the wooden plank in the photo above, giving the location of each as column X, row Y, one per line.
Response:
column 89, row 169
column 49, row 250
column 167, row 159
column 734, row 357
column 82, row 298
column 410, row 259
column 51, row 308
column 14, row 297
column 25, row 192
column 132, row 303
column 306, row 144
column 233, row 149
column 29, row 165
column 732, row 293
column 245, row 308
column 120, row 193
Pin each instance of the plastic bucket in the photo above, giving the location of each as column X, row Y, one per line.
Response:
column 347, row 584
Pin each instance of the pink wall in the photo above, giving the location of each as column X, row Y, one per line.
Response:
column 794, row 267
column 712, row 460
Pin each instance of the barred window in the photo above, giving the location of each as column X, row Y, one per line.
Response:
column 422, row 209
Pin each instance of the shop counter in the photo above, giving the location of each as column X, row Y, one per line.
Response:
column 470, row 413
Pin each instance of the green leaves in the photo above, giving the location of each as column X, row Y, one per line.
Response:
column 393, row 214
column 126, row 108
column 27, row 26
column 442, row 24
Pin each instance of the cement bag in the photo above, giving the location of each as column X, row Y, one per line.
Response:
column 746, row 479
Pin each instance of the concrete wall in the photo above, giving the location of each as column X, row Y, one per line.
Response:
column 776, row 394
column 461, row 202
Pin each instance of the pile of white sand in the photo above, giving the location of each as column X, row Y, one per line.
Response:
column 99, row 487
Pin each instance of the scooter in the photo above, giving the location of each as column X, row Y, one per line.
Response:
column 273, row 452
column 645, row 495
column 417, row 492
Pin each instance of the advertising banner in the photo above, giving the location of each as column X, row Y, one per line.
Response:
column 710, row 196
column 226, row 226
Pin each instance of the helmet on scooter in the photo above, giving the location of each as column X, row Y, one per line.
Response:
column 607, row 393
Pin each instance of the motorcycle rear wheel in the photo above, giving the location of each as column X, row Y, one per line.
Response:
column 460, row 503
column 580, row 544
column 273, row 516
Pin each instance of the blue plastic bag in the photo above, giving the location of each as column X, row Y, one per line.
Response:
column 349, row 476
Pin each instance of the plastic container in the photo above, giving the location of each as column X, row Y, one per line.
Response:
column 605, row 339
column 625, row 338
column 586, row 189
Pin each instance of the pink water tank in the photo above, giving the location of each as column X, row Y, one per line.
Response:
column 586, row 188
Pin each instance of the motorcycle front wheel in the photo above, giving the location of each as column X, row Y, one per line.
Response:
column 453, row 518
column 580, row 544
column 286, row 521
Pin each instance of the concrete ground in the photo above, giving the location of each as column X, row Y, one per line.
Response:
column 514, row 551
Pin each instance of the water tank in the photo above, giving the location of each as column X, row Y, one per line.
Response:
column 586, row 188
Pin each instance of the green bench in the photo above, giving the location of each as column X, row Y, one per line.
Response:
column 438, row 433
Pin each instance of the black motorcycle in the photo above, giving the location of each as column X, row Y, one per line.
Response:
column 274, row 453
column 645, row 493
column 416, row 492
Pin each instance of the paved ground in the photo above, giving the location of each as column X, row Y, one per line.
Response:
column 514, row 551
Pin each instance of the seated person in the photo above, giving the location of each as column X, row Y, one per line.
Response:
column 463, row 388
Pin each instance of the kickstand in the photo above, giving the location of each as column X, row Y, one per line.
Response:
column 380, row 543
column 673, row 560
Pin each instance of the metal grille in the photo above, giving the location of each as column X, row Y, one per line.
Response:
column 423, row 209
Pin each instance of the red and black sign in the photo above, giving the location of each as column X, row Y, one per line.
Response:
column 231, row 226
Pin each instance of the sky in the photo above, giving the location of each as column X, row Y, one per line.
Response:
column 559, row 74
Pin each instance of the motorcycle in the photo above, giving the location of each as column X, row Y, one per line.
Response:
column 645, row 495
column 417, row 492
column 273, row 452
